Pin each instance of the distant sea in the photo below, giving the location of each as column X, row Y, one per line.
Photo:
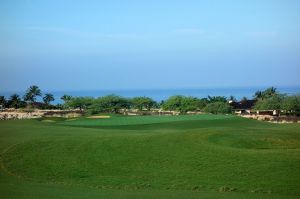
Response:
column 163, row 94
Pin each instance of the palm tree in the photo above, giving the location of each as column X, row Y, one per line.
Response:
column 270, row 92
column 66, row 98
column 48, row 98
column 232, row 98
column 2, row 101
column 31, row 94
column 15, row 101
column 258, row 95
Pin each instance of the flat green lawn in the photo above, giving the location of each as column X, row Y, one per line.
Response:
column 116, row 120
column 202, row 156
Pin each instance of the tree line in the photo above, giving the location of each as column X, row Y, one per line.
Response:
column 29, row 99
column 269, row 99
column 115, row 103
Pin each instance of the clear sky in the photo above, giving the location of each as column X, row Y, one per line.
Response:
column 77, row 45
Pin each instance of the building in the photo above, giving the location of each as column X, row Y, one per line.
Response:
column 246, row 107
column 243, row 107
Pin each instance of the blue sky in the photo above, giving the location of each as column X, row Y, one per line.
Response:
column 80, row 45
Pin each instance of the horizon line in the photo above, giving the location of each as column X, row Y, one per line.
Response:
column 165, row 88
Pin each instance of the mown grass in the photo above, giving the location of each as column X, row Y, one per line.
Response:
column 135, row 120
column 150, row 157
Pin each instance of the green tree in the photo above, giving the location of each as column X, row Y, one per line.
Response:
column 31, row 94
column 184, row 104
column 143, row 103
column 258, row 95
column 291, row 104
column 173, row 103
column 15, row 101
column 66, row 98
column 2, row 101
column 218, row 108
column 80, row 102
column 110, row 104
column 268, row 93
column 48, row 98
column 160, row 104
column 192, row 104
column 270, row 103
column 232, row 98
column 212, row 99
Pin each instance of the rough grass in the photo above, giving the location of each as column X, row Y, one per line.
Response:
column 150, row 157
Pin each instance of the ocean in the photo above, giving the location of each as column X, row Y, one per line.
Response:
column 163, row 94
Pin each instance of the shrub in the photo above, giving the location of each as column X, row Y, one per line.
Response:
column 291, row 105
column 109, row 103
column 271, row 103
column 218, row 108
column 80, row 102
column 183, row 104
column 143, row 103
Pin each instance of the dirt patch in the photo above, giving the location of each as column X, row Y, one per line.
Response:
column 48, row 121
column 71, row 119
column 99, row 117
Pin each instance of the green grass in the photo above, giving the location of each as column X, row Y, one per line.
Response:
column 202, row 156
column 135, row 120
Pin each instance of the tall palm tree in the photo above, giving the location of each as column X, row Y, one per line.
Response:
column 15, row 101
column 48, row 98
column 31, row 94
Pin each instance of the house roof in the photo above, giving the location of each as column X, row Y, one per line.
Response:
column 243, row 105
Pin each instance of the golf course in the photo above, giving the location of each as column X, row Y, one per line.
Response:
column 185, row 156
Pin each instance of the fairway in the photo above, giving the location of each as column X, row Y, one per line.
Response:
column 186, row 156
